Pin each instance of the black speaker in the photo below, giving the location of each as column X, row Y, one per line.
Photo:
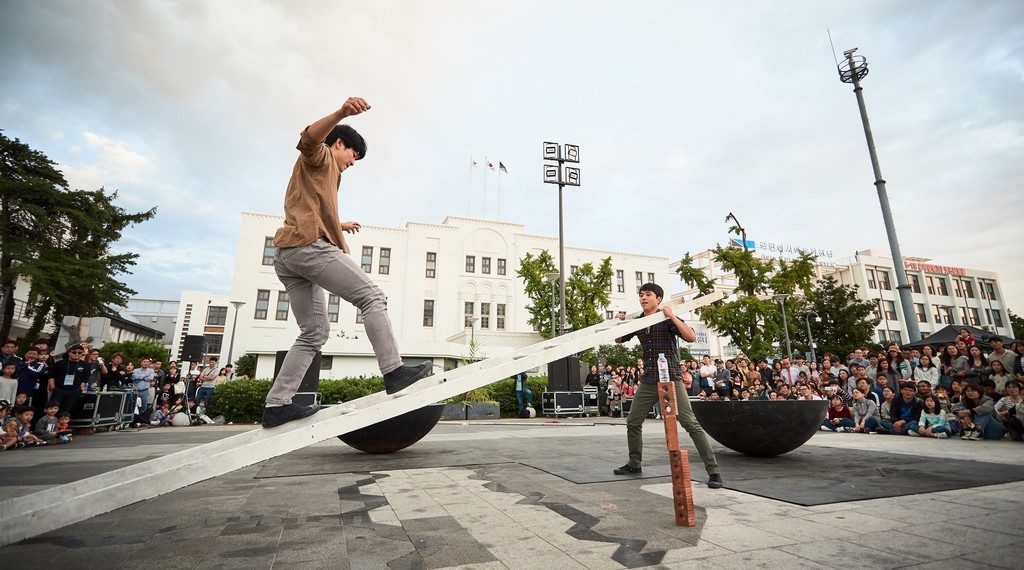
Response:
column 192, row 349
column 565, row 375
column 311, row 381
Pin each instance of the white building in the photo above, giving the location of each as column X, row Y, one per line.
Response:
column 446, row 284
column 942, row 295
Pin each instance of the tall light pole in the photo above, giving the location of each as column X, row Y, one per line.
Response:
column 781, row 298
column 234, row 325
column 553, row 175
column 852, row 70
column 810, row 338
column 551, row 279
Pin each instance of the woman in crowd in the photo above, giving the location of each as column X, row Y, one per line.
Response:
column 172, row 378
column 927, row 371
column 116, row 377
column 865, row 411
column 846, row 382
column 815, row 373
column 884, row 369
column 898, row 364
column 1009, row 410
column 974, row 415
column 594, row 378
column 977, row 366
column 999, row 375
column 950, row 363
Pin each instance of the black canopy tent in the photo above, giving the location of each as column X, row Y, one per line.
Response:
column 948, row 334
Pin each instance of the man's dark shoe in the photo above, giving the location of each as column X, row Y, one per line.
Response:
column 401, row 378
column 278, row 415
column 715, row 481
column 628, row 469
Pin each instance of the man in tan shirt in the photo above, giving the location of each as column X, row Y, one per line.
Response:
column 311, row 256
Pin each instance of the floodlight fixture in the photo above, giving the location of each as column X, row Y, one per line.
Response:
column 572, row 153
column 552, row 174
column 572, row 176
column 552, row 151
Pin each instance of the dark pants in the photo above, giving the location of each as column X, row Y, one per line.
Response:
column 204, row 395
column 66, row 397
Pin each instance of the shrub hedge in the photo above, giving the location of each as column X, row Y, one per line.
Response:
column 242, row 401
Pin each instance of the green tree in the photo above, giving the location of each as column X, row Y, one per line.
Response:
column 846, row 321
column 245, row 365
column 586, row 292
column 1016, row 324
column 60, row 240
column 752, row 319
column 135, row 350
column 618, row 354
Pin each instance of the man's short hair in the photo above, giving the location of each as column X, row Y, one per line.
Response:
column 349, row 137
column 653, row 288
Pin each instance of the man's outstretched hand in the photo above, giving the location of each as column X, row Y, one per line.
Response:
column 354, row 106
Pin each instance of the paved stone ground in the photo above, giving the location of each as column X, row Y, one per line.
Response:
column 478, row 500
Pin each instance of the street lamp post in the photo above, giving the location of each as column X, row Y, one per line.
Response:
column 781, row 298
column 810, row 338
column 551, row 279
column 553, row 175
column 852, row 70
column 234, row 325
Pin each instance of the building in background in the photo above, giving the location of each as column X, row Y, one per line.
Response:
column 446, row 284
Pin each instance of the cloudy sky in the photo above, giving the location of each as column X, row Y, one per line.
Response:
column 683, row 111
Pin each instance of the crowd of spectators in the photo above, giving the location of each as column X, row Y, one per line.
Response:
column 936, row 391
column 40, row 391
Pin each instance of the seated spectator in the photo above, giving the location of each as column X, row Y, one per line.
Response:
column 806, row 393
column 7, row 438
column 1009, row 408
column 201, row 412
column 988, row 387
column 865, row 412
column 884, row 409
column 162, row 416
column 924, row 389
column 974, row 415
column 904, row 411
column 838, row 416
column 956, row 391
column 965, row 337
column 977, row 366
column 933, row 422
column 999, row 376
column 942, row 393
column 63, row 427
column 784, row 393
column 866, row 388
column 46, row 427
column 22, row 426
column 926, row 371
column 886, row 376
column 832, row 389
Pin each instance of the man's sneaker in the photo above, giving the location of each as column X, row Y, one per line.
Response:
column 627, row 469
column 278, row 415
column 715, row 481
column 976, row 435
column 941, row 435
column 913, row 433
column 824, row 428
column 404, row 376
column 968, row 434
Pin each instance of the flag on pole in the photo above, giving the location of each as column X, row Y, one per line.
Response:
column 502, row 168
column 490, row 165
column 472, row 162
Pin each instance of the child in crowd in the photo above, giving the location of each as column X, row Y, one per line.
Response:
column 162, row 416
column 933, row 419
column 201, row 412
column 46, row 427
column 22, row 426
column 838, row 417
column 7, row 439
column 999, row 377
column 9, row 382
column 64, row 433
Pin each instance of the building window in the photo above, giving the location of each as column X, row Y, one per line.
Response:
column 333, row 307
column 963, row 315
column 268, row 251
column 896, row 336
column 573, row 269
column 990, row 288
column 262, row 304
column 620, row 280
column 882, row 337
column 217, row 316
column 968, row 289
column 878, row 310
column 608, row 314
column 890, row 311
column 650, row 277
column 871, row 279
column 326, row 362
column 943, row 290
column 922, row 315
column 502, row 266
column 213, row 343
column 883, row 280
column 282, row 306
column 956, row 288
column 975, row 320
column 384, row 263
column 431, row 265
column 931, row 284
column 470, row 264
column 997, row 318
column 942, row 314
column 485, row 315
column 915, row 284
column 367, row 260
column 485, row 265
column 639, row 280
column 500, row 316
column 428, row 312
column 468, row 314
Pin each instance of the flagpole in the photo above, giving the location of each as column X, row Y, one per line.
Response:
column 499, row 190
column 484, row 216
column 469, row 197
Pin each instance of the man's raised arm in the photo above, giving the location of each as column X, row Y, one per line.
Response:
column 353, row 106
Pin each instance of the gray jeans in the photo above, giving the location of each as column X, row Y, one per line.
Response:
column 306, row 272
